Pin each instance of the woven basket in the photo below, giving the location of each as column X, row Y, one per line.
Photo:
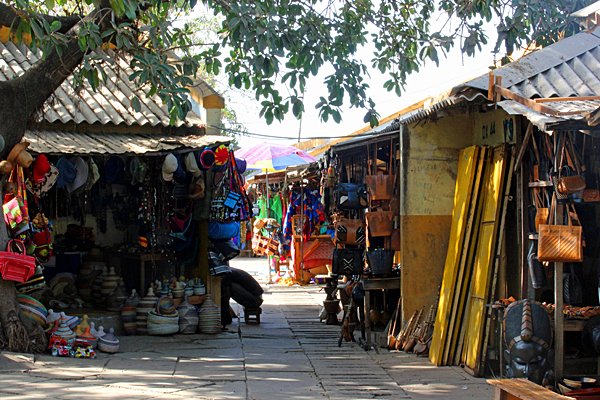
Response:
column 142, row 309
column 188, row 317
column 155, row 319
column 158, row 330
column 209, row 317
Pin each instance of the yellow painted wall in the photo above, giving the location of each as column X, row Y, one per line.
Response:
column 491, row 128
column 430, row 162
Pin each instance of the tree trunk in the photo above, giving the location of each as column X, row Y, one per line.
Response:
column 19, row 98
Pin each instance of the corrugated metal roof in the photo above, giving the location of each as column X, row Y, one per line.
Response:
column 110, row 104
column 565, row 68
column 62, row 142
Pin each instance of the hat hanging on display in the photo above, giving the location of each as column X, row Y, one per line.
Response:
column 191, row 165
column 221, row 155
column 93, row 174
column 138, row 169
column 41, row 166
column 50, row 179
column 169, row 167
column 179, row 175
column 197, row 188
column 66, row 172
column 81, row 175
column 19, row 155
column 240, row 164
column 207, row 159
column 114, row 170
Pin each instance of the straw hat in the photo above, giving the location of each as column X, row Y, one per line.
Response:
column 19, row 156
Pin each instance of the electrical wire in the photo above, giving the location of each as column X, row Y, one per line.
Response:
column 262, row 135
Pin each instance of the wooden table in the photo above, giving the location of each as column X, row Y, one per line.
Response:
column 370, row 284
column 512, row 389
column 142, row 258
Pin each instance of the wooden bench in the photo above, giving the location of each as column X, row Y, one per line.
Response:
column 511, row 389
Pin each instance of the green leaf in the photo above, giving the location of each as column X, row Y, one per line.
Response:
column 50, row 4
column 135, row 103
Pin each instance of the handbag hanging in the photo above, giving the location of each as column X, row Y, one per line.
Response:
column 542, row 210
column 347, row 261
column 560, row 243
column 15, row 264
column 381, row 187
column 380, row 223
column 573, row 182
column 593, row 195
column 351, row 196
column 350, row 231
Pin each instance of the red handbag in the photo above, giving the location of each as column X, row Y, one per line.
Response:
column 16, row 265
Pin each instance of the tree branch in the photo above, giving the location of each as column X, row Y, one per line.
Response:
column 9, row 17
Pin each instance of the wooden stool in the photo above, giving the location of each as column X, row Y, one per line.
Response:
column 252, row 315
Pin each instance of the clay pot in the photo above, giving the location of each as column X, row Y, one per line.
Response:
column 375, row 316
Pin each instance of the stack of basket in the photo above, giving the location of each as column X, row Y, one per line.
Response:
column 164, row 319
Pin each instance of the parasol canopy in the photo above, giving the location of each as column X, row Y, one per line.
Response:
column 273, row 157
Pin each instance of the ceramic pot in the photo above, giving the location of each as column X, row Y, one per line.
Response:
column 188, row 317
column 209, row 317
column 109, row 343
column 141, row 312
column 128, row 313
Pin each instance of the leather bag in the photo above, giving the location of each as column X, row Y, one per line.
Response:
column 536, row 269
column 350, row 231
column 347, row 262
column 15, row 264
column 381, row 261
column 380, row 223
column 381, row 187
column 560, row 243
column 351, row 196
column 542, row 211
column 265, row 245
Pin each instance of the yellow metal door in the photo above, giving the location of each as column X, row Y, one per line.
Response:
column 467, row 166
column 493, row 192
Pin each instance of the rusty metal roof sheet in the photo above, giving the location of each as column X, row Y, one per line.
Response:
column 109, row 104
column 62, row 142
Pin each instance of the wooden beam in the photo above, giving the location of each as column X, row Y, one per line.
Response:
column 552, row 99
column 528, row 135
column 491, row 86
column 525, row 101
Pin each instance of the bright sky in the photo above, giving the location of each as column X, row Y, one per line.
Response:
column 430, row 81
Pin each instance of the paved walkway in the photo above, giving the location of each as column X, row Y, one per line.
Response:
column 291, row 355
